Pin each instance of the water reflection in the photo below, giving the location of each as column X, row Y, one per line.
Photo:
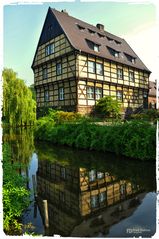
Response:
column 87, row 192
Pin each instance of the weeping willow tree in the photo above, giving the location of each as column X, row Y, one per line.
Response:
column 18, row 106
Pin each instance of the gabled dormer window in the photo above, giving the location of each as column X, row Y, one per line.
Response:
column 91, row 31
column 101, row 35
column 130, row 58
column 113, row 52
column 92, row 45
column 110, row 39
column 49, row 49
column 81, row 28
column 117, row 42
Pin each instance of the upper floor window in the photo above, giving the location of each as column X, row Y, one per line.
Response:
column 120, row 73
column 59, row 68
column 131, row 76
column 93, row 46
column 92, row 175
column 90, row 92
column 119, row 95
column 46, row 95
column 61, row 93
column 49, row 49
column 98, row 93
column 95, row 67
column 99, row 68
column 113, row 52
column 44, row 73
column 130, row 58
column 91, row 67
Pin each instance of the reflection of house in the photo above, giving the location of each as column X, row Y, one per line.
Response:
column 75, row 194
column 152, row 95
column 76, row 64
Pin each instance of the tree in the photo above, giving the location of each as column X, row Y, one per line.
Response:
column 108, row 107
column 18, row 106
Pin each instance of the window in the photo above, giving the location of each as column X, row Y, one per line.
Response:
column 98, row 93
column 130, row 58
column 49, row 49
column 61, row 93
column 91, row 67
column 94, row 201
column 99, row 68
column 113, row 52
column 131, row 76
column 90, row 92
column 59, row 68
column 46, row 95
column 96, row 47
column 110, row 39
column 80, row 27
column 119, row 73
column 91, row 31
column 117, row 42
column 44, row 73
column 102, row 197
column 93, row 45
column 63, row 173
column 101, row 35
column 92, row 175
column 119, row 95
column 100, row 175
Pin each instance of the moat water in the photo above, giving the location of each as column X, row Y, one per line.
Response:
column 79, row 193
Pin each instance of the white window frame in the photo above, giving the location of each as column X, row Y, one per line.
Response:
column 96, row 47
column 131, row 76
column 98, row 93
column 90, row 92
column 59, row 68
column 61, row 93
column 91, row 67
column 49, row 49
column 120, row 73
column 99, row 68
column 119, row 95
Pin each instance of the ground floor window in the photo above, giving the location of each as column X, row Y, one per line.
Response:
column 98, row 93
column 90, row 92
column 119, row 95
column 61, row 93
column 46, row 95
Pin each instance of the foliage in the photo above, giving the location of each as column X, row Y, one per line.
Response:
column 15, row 195
column 148, row 115
column 62, row 116
column 135, row 139
column 31, row 87
column 18, row 106
column 108, row 107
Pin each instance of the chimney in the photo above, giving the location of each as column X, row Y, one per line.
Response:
column 64, row 11
column 100, row 27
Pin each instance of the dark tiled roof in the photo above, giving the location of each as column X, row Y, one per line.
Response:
column 152, row 88
column 78, row 31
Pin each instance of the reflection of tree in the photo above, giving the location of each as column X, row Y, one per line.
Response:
column 21, row 142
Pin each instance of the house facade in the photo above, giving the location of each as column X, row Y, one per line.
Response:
column 75, row 64
column 152, row 95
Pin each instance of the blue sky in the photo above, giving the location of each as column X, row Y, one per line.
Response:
column 23, row 25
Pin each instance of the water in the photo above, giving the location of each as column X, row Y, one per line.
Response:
column 88, row 194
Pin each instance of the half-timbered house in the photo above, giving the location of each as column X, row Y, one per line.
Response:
column 76, row 63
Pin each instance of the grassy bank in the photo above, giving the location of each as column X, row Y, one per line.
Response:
column 134, row 139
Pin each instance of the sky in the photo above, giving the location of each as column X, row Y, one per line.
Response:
column 137, row 23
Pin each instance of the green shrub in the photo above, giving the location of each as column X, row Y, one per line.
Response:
column 134, row 139
column 108, row 107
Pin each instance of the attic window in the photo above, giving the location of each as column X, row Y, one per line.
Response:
column 81, row 28
column 113, row 52
column 110, row 39
column 93, row 46
column 130, row 58
column 117, row 42
column 100, row 35
column 91, row 31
